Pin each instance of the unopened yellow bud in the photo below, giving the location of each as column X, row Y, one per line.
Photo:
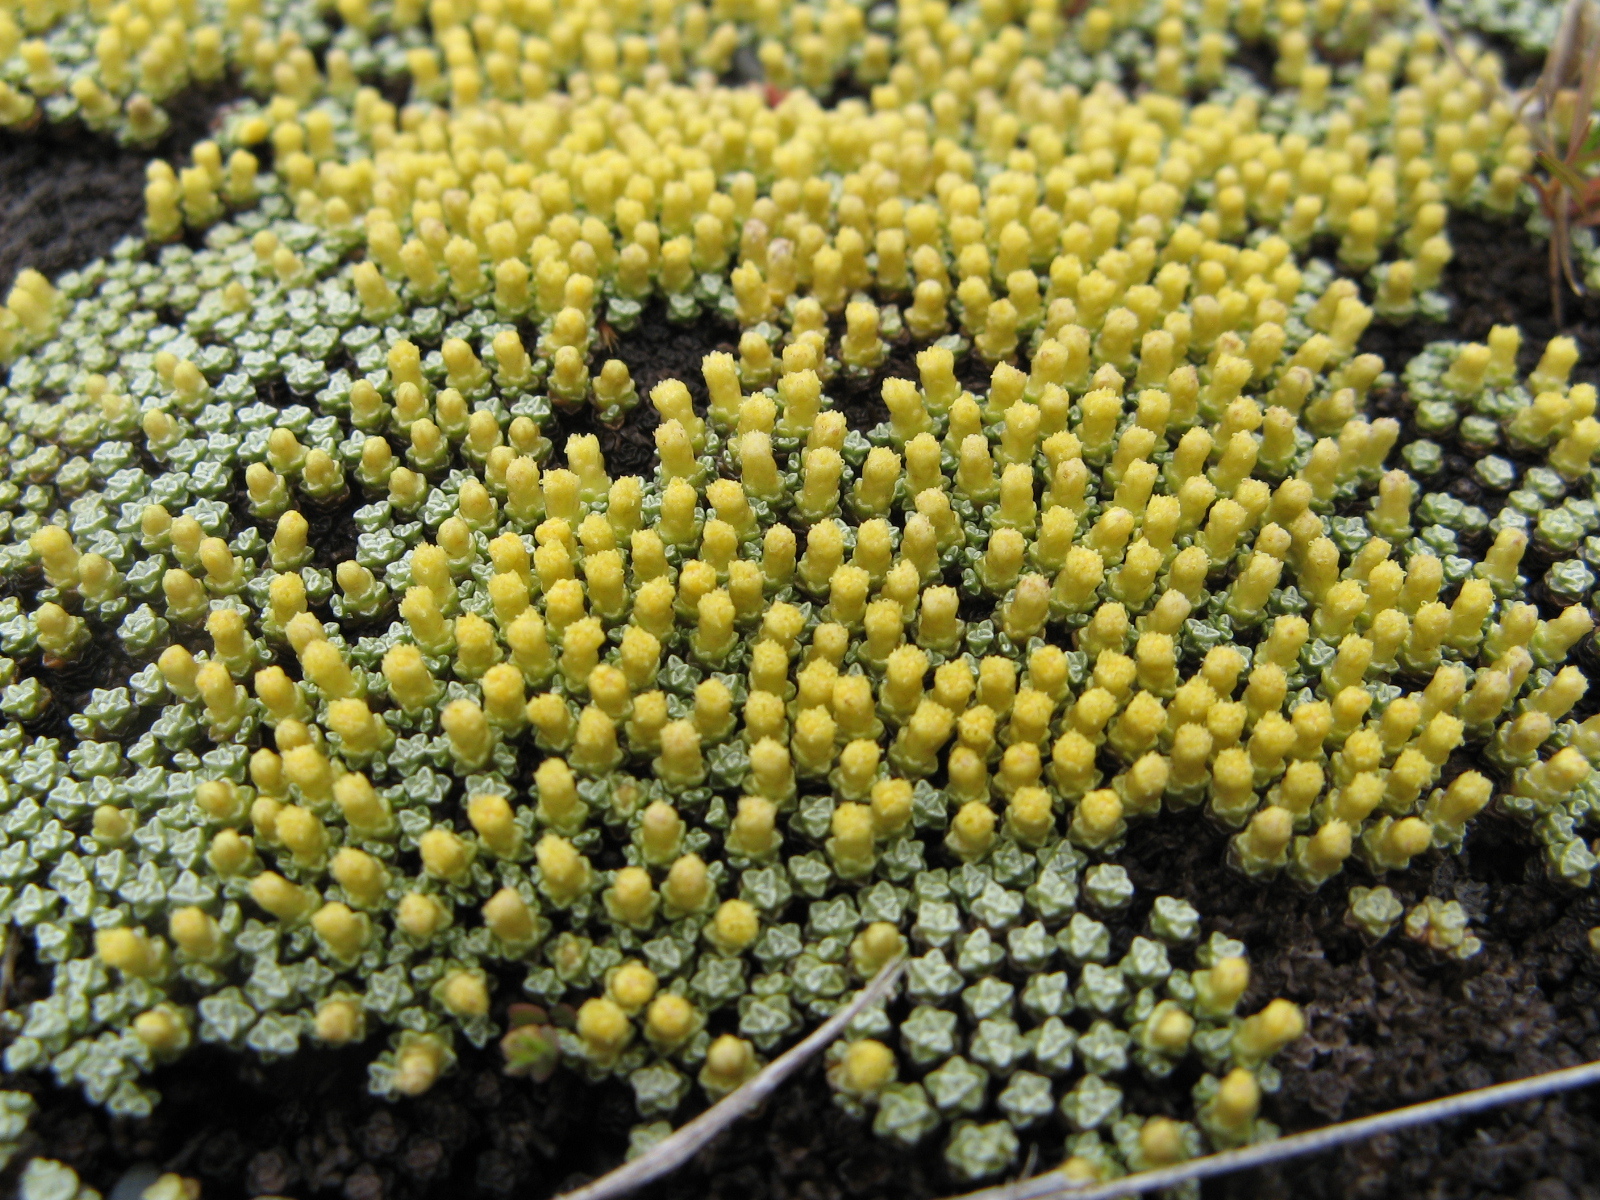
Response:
column 492, row 819
column 196, row 933
column 284, row 900
column 421, row 916
column 566, row 874
column 340, row 1021
column 1263, row 1035
column 510, row 918
column 631, row 987
column 230, row 853
column 131, row 951
column 342, row 931
column 688, row 888
column 163, row 1031
column 864, row 1069
column 1168, row 1029
column 604, row 1028
column 418, row 1065
column 729, row 1062
column 734, row 927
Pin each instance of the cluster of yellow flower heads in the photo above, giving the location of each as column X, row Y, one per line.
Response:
column 697, row 752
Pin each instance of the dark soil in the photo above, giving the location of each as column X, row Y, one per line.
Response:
column 1394, row 1024
column 67, row 195
column 656, row 349
column 1500, row 276
column 1389, row 1024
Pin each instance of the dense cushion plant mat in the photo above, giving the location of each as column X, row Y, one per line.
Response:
column 1042, row 497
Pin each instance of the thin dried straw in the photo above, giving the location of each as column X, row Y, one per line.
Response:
column 1052, row 1187
column 672, row 1152
column 678, row 1148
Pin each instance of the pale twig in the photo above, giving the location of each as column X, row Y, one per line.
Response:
column 1053, row 1187
column 676, row 1149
